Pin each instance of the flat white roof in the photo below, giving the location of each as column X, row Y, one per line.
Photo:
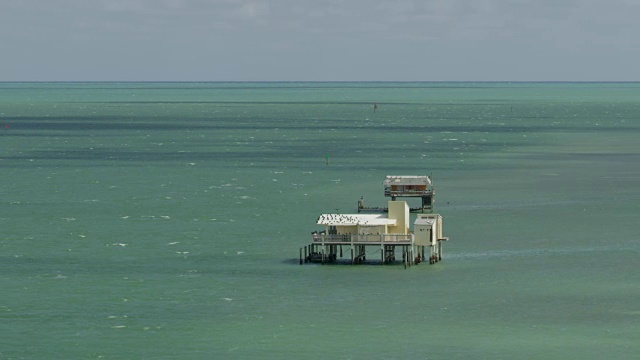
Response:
column 355, row 219
column 424, row 221
column 407, row 180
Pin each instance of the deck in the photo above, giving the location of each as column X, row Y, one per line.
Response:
column 375, row 209
column 408, row 193
column 326, row 248
column 363, row 239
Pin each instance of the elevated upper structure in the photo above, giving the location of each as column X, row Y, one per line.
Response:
column 410, row 186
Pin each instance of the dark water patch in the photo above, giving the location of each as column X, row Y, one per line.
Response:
column 118, row 156
column 15, row 134
column 593, row 156
column 172, row 124
column 136, row 156
column 106, row 124
column 355, row 165
column 471, row 122
column 381, row 104
column 267, row 159
column 365, row 148
column 20, row 120
column 489, row 128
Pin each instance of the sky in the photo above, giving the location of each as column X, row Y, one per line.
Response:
column 320, row 40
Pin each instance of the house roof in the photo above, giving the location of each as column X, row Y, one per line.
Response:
column 355, row 219
column 406, row 180
column 424, row 221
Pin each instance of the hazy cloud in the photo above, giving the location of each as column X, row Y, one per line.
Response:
column 320, row 39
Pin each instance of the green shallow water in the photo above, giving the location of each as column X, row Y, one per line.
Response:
column 163, row 220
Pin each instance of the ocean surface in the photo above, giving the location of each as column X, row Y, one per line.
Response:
column 164, row 220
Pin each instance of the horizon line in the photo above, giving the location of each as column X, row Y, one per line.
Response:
column 321, row 81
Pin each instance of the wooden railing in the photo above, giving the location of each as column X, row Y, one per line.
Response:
column 400, row 193
column 361, row 238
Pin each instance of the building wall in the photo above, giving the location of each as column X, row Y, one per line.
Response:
column 344, row 230
column 371, row 229
column 434, row 231
column 399, row 210
column 423, row 234
column 347, row 229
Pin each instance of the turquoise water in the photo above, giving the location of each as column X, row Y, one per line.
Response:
column 163, row 220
